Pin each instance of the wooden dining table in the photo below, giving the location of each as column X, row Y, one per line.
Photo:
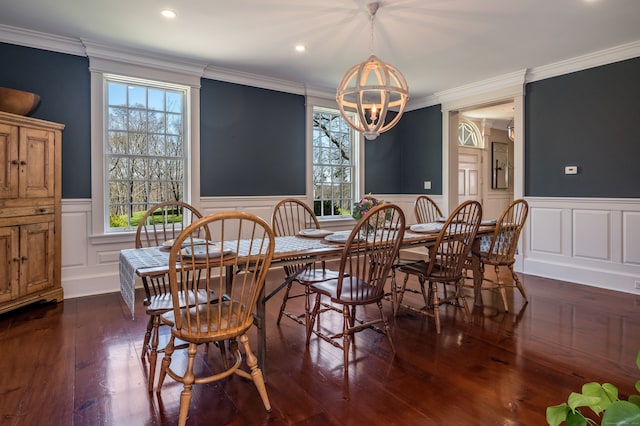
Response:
column 154, row 261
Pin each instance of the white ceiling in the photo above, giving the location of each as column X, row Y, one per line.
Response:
column 437, row 44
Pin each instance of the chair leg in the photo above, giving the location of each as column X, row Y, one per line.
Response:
column 501, row 287
column 153, row 355
column 352, row 316
column 166, row 362
column 312, row 318
column 147, row 337
column 461, row 297
column 387, row 329
column 394, row 291
column 436, row 304
column 223, row 354
column 346, row 320
column 188, row 379
column 307, row 309
column 256, row 373
column 518, row 284
column 426, row 295
column 284, row 302
column 397, row 299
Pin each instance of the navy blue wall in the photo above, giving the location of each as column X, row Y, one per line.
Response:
column 252, row 141
column 383, row 159
column 63, row 83
column 585, row 119
column 400, row 160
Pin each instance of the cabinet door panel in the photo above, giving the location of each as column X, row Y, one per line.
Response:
column 36, row 257
column 8, row 263
column 8, row 161
column 37, row 163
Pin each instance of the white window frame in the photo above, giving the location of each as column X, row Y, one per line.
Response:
column 146, row 84
column 130, row 64
column 358, row 176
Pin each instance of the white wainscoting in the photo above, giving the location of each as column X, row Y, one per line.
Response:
column 588, row 241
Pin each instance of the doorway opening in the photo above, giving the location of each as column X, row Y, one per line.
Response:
column 470, row 168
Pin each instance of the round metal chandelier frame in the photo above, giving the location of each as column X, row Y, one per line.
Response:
column 371, row 90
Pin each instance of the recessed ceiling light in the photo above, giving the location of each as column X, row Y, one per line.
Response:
column 168, row 13
column 300, row 48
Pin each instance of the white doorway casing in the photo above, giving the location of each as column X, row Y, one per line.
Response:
column 475, row 97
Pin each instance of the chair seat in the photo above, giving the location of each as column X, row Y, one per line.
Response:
column 162, row 303
column 415, row 267
column 421, row 268
column 212, row 321
column 354, row 290
column 310, row 276
column 495, row 259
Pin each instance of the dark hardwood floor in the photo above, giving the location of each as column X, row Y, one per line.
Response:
column 78, row 363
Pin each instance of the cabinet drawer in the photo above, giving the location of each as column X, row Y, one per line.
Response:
column 26, row 220
column 26, row 210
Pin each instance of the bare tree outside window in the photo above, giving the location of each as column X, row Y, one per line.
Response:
column 334, row 165
column 145, row 149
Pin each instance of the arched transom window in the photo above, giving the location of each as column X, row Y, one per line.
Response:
column 468, row 135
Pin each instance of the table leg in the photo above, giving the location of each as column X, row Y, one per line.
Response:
column 477, row 273
column 260, row 323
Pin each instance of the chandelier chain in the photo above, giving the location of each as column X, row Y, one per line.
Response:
column 372, row 8
column 372, row 16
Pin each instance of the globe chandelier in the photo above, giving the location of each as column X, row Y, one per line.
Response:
column 370, row 90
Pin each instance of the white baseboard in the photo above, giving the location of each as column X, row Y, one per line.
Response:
column 607, row 279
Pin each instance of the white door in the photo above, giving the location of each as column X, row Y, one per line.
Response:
column 469, row 174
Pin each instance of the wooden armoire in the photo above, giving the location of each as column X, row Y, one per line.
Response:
column 30, row 211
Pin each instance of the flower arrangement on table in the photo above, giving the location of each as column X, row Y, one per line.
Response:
column 362, row 207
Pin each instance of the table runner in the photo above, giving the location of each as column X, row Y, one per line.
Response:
column 132, row 260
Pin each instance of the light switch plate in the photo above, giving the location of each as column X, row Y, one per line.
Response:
column 571, row 170
column 427, row 184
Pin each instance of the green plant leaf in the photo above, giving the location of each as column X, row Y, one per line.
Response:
column 610, row 391
column 557, row 414
column 580, row 400
column 638, row 360
column 635, row 399
column 621, row 413
column 575, row 419
column 638, row 385
column 591, row 388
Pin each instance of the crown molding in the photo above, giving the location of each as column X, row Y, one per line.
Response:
column 423, row 102
column 491, row 85
column 254, row 80
column 591, row 60
column 38, row 40
column 126, row 55
column 321, row 92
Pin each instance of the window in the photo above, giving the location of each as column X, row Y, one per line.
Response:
column 335, row 160
column 143, row 73
column 468, row 134
column 145, row 153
